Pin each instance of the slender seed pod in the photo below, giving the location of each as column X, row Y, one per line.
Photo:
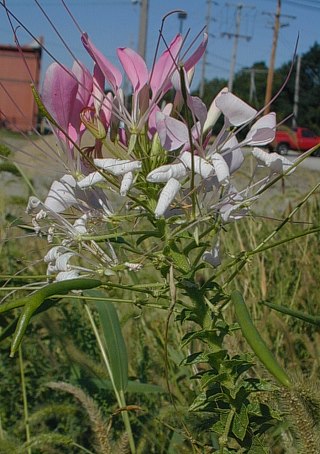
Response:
column 256, row 342
column 34, row 301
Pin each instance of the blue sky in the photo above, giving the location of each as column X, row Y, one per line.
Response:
column 115, row 23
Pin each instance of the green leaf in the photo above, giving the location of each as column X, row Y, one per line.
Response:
column 33, row 302
column 240, row 423
column 113, row 339
column 9, row 167
column 132, row 387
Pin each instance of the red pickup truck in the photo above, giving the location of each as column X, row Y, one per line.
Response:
column 300, row 139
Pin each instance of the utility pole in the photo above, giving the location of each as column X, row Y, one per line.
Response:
column 296, row 93
column 252, row 89
column 276, row 29
column 204, row 58
column 235, row 47
column 236, row 36
column 143, row 28
column 272, row 58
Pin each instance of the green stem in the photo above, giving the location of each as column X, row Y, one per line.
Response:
column 82, row 448
column 261, row 248
column 119, row 395
column 287, row 219
column 25, row 401
column 223, row 440
column 26, row 179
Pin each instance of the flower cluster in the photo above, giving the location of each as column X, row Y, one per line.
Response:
column 146, row 155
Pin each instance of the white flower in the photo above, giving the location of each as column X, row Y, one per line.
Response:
column 65, row 275
column 201, row 166
column 214, row 112
column 275, row 162
column 80, row 225
column 117, row 166
column 221, row 168
column 167, row 195
column 126, row 183
column 263, row 131
column 163, row 173
column 61, row 195
column 54, row 253
column 90, row 180
column 234, row 109
column 213, row 256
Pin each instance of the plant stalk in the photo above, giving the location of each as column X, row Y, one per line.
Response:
column 119, row 395
column 25, row 401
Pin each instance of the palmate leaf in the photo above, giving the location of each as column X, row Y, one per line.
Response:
column 113, row 339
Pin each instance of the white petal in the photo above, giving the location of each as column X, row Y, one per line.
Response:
column 274, row 161
column 263, row 131
column 62, row 261
column 201, row 166
column 126, row 183
column 117, row 166
column 34, row 204
column 213, row 256
column 237, row 111
column 227, row 210
column 61, row 195
column 80, row 225
column 54, row 253
column 90, row 180
column 164, row 173
column 232, row 154
column 214, row 112
column 65, row 275
column 167, row 195
column 221, row 168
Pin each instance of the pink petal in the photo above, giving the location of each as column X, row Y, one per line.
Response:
column 195, row 57
column 134, row 66
column 59, row 93
column 84, row 78
column 199, row 109
column 172, row 133
column 111, row 73
column 164, row 66
column 85, row 83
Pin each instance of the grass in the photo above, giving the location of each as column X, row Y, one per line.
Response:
column 61, row 346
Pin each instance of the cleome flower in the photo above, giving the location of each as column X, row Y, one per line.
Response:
column 161, row 157
column 213, row 165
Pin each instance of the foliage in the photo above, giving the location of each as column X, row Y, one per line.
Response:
column 155, row 276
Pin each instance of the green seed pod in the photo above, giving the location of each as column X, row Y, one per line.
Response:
column 256, row 342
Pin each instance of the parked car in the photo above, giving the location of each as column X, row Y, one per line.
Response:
column 300, row 139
